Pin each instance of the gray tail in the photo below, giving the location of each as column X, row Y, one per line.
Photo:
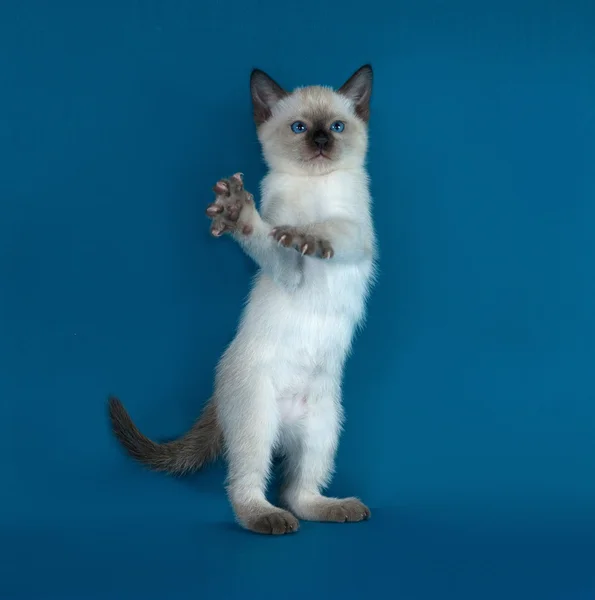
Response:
column 187, row 454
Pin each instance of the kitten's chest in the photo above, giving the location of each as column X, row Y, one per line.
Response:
column 302, row 201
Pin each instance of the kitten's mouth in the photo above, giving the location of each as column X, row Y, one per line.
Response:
column 320, row 154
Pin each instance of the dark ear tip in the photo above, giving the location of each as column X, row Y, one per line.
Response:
column 259, row 75
column 367, row 69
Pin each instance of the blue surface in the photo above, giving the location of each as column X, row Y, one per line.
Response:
column 471, row 393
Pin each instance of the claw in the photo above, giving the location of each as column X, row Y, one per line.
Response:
column 214, row 209
column 221, row 187
column 238, row 182
column 217, row 231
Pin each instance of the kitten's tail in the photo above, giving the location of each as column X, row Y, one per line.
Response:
column 187, row 454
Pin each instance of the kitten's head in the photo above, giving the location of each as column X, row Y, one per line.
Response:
column 313, row 130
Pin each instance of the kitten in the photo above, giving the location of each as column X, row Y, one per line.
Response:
column 278, row 384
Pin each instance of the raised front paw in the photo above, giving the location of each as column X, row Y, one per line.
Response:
column 302, row 241
column 233, row 208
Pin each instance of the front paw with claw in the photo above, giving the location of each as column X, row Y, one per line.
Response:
column 233, row 208
column 302, row 241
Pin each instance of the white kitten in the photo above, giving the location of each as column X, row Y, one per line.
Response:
column 278, row 385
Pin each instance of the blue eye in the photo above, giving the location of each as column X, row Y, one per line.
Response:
column 298, row 127
column 337, row 126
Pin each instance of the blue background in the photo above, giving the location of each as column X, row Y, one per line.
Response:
column 470, row 396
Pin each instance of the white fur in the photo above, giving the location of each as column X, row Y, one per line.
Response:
column 278, row 385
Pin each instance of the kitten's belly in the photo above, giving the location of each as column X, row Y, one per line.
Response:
column 309, row 329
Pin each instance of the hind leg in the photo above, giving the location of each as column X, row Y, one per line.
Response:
column 250, row 421
column 310, row 454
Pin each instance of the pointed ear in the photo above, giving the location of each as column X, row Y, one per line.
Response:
column 358, row 88
column 265, row 94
